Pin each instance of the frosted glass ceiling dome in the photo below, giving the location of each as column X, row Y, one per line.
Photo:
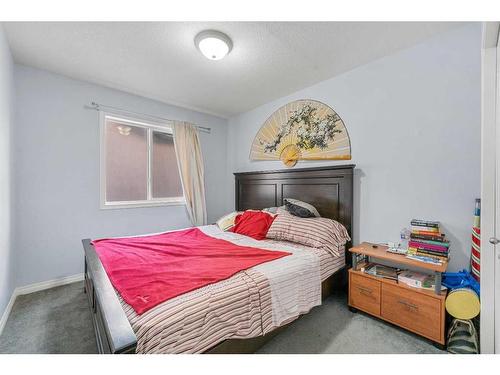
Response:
column 213, row 44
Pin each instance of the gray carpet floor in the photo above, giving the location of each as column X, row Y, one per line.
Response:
column 58, row 321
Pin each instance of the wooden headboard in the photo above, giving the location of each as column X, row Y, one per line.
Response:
column 329, row 189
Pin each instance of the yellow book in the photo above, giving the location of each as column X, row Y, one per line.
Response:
column 415, row 251
column 425, row 229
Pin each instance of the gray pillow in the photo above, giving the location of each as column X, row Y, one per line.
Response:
column 300, row 209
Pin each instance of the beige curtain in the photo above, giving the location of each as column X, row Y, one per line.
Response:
column 190, row 160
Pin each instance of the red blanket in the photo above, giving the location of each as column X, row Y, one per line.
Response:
column 149, row 270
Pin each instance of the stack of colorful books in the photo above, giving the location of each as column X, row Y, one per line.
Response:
column 426, row 240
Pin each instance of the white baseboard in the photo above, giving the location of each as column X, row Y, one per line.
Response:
column 31, row 288
column 7, row 310
column 36, row 287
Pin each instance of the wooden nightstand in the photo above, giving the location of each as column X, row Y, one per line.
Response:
column 420, row 311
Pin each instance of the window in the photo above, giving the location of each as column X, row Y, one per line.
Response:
column 138, row 164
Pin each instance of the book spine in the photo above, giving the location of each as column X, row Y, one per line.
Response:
column 431, row 254
column 425, row 259
column 428, row 253
column 424, row 229
column 430, row 242
column 425, row 223
column 435, row 253
column 425, row 246
column 437, row 257
column 425, row 233
column 437, row 237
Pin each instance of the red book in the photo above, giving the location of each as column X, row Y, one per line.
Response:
column 426, row 246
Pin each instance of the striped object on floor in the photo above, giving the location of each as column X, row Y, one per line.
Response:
column 462, row 337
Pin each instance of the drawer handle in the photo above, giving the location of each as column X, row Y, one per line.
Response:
column 365, row 290
column 409, row 305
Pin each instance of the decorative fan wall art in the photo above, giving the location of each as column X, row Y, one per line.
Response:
column 302, row 130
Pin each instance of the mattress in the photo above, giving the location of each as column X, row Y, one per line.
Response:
column 251, row 303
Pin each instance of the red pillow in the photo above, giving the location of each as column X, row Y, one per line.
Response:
column 253, row 224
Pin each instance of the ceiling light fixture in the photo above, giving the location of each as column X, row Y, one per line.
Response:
column 213, row 44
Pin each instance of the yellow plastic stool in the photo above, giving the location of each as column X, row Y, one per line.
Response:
column 463, row 303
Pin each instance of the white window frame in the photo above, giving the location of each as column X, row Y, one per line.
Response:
column 150, row 126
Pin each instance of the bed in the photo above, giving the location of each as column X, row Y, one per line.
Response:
column 209, row 320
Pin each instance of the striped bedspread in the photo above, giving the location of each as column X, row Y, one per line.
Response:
column 249, row 304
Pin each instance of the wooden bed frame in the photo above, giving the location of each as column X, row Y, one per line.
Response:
column 329, row 189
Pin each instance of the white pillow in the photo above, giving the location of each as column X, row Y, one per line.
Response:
column 226, row 222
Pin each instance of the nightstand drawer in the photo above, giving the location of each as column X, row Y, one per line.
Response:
column 417, row 312
column 364, row 293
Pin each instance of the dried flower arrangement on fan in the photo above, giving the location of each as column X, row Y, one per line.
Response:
column 311, row 130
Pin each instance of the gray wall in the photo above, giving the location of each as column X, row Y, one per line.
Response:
column 57, row 173
column 414, row 123
column 6, row 124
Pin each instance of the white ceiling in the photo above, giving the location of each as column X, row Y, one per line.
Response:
column 159, row 60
